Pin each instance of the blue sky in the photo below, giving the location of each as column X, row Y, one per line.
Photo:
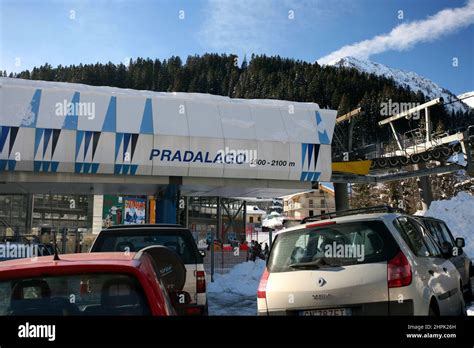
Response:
column 33, row 32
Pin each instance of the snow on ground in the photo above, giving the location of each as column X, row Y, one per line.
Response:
column 235, row 293
column 458, row 213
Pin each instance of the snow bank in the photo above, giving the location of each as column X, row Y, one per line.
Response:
column 235, row 293
column 273, row 221
column 242, row 279
column 458, row 213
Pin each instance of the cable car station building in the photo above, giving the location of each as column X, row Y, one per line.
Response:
column 69, row 141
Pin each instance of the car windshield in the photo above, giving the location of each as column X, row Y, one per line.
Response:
column 134, row 240
column 84, row 294
column 332, row 246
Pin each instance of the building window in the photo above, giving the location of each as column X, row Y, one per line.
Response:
column 323, row 201
column 323, row 212
column 310, row 203
column 311, row 213
column 251, row 219
column 259, row 219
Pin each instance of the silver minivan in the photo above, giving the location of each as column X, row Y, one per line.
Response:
column 364, row 264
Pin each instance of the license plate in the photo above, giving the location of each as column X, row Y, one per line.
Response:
column 329, row 312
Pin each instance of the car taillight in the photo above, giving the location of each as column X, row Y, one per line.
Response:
column 399, row 271
column 262, row 287
column 200, row 281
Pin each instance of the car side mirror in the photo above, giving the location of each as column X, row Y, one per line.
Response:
column 460, row 243
column 202, row 253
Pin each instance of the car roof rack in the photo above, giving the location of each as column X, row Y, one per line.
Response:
column 348, row 212
column 142, row 225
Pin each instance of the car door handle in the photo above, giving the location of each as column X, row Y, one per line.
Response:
column 431, row 272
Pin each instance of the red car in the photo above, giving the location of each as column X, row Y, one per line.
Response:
column 85, row 284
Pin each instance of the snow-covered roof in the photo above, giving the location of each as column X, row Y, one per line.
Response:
column 253, row 209
column 107, row 130
column 106, row 90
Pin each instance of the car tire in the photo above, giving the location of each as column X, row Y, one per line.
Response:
column 468, row 293
column 433, row 310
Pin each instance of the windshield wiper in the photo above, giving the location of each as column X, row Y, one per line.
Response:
column 318, row 263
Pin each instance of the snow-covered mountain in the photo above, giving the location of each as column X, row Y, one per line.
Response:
column 468, row 99
column 403, row 78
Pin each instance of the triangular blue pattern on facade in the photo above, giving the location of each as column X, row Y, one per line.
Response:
column 34, row 108
column 134, row 144
column 95, row 168
column 87, row 142
column 318, row 118
column 13, row 134
column 134, row 169
column 118, row 141
column 46, row 166
column 37, row 166
column 147, row 119
column 79, row 136
column 126, row 142
column 38, row 136
column 310, row 155
column 87, row 166
column 3, row 136
column 11, row 165
column 95, row 142
column 110, row 120
column 125, row 169
column 117, row 169
column 316, row 154
column 323, row 136
column 47, row 136
column 56, row 133
column 70, row 121
column 3, row 165
column 303, row 153
column 54, row 166
column 78, row 167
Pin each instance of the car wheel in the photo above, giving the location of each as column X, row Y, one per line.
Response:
column 468, row 293
column 433, row 311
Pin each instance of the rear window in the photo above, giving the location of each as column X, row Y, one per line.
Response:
column 332, row 245
column 179, row 241
column 84, row 294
